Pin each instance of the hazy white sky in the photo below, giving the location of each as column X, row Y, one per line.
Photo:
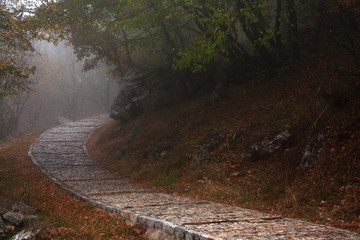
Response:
column 27, row 3
column 30, row 3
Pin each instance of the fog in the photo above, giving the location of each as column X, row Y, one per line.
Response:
column 59, row 88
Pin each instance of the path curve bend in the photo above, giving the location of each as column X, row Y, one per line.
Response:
column 61, row 154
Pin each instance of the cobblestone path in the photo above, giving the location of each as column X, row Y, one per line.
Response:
column 61, row 154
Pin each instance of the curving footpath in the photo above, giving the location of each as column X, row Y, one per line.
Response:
column 61, row 154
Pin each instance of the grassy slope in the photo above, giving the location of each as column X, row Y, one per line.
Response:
column 328, row 194
column 63, row 217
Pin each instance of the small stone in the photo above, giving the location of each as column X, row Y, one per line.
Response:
column 14, row 217
column 30, row 219
column 149, row 223
column 142, row 221
column 158, row 234
column 169, row 229
column 2, row 228
column 158, row 224
column 162, row 148
column 189, row 236
column 179, row 233
column 24, row 208
column 41, row 231
column 133, row 218
column 24, row 235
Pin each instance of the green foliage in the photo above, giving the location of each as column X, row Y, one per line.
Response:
column 208, row 46
column 193, row 34
column 126, row 231
column 189, row 34
column 170, row 180
column 245, row 199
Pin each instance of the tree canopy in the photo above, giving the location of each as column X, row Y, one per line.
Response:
column 182, row 34
column 193, row 34
column 15, row 41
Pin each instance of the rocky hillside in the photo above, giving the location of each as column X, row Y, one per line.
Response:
column 289, row 145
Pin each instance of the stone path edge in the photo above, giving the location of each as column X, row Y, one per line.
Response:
column 145, row 221
column 71, row 192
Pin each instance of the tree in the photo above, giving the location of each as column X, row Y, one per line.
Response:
column 15, row 42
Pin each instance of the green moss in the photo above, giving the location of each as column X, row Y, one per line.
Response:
column 170, row 180
column 244, row 199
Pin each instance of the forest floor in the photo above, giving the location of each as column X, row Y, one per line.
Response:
column 157, row 149
column 62, row 216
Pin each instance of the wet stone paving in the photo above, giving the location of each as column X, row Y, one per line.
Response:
column 61, row 154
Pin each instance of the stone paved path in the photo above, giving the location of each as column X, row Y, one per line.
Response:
column 61, row 154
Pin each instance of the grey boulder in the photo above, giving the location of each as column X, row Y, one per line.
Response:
column 268, row 147
column 24, row 208
column 15, row 218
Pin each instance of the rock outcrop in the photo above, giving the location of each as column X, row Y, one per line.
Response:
column 20, row 216
column 268, row 147
column 137, row 95
column 210, row 143
column 14, row 218
column 24, row 208
column 29, row 235
column 142, row 92
column 312, row 152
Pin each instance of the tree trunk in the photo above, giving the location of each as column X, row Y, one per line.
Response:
column 293, row 39
column 278, row 40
